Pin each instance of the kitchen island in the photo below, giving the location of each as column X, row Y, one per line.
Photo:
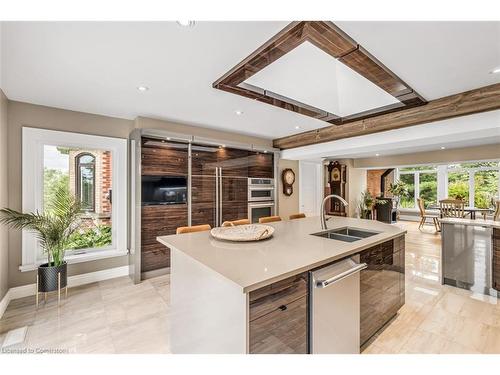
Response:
column 253, row 297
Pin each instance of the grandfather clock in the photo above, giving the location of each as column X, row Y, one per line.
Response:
column 337, row 177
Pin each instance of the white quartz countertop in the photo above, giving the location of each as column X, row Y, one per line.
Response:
column 477, row 222
column 291, row 250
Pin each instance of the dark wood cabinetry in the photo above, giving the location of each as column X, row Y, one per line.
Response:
column 261, row 165
column 159, row 221
column 382, row 285
column 279, row 318
column 496, row 258
column 160, row 158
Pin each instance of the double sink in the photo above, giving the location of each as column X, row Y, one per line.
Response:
column 346, row 234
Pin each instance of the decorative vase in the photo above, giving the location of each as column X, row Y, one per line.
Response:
column 48, row 277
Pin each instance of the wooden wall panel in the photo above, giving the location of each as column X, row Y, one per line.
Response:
column 261, row 165
column 164, row 158
column 157, row 221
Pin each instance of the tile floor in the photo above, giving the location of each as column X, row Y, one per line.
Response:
column 116, row 316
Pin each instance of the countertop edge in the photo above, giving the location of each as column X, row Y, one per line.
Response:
column 255, row 286
column 470, row 222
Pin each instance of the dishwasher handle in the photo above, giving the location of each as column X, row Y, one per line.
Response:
column 340, row 276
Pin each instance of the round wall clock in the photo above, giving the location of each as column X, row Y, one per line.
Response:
column 288, row 178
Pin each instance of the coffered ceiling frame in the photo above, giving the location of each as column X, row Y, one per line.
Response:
column 332, row 40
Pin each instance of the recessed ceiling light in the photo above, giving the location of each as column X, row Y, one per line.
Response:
column 297, row 127
column 238, row 112
column 168, row 138
column 495, row 71
column 222, row 146
column 377, row 154
column 265, row 151
column 142, row 88
column 442, row 147
column 185, row 23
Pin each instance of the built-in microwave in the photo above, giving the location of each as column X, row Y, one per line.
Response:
column 260, row 189
column 258, row 210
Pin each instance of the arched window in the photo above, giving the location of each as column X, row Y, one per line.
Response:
column 85, row 181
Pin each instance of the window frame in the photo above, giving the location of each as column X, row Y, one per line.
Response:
column 78, row 186
column 442, row 171
column 33, row 142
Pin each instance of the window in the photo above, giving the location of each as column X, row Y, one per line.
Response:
column 85, row 181
column 428, row 188
column 90, row 168
column 477, row 183
column 409, row 201
column 422, row 183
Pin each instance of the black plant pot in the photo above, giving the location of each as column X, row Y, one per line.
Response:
column 48, row 280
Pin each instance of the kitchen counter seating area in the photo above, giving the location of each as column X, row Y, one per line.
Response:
column 254, row 297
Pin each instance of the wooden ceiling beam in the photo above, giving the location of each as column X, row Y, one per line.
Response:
column 466, row 103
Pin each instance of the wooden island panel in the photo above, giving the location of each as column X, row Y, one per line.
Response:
column 496, row 258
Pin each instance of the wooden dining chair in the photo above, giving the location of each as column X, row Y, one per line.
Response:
column 234, row 223
column 424, row 215
column 297, row 216
column 496, row 215
column 452, row 208
column 269, row 219
column 194, row 228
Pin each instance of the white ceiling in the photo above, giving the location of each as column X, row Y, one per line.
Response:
column 311, row 76
column 96, row 67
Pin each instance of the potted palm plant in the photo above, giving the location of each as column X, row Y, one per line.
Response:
column 53, row 227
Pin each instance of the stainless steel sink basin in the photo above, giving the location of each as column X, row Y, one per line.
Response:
column 346, row 234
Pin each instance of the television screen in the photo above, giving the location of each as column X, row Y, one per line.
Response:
column 164, row 190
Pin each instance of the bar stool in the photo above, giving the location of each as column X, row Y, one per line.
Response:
column 234, row 223
column 297, row 216
column 194, row 228
column 269, row 219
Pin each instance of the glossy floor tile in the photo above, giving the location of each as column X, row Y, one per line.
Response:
column 116, row 316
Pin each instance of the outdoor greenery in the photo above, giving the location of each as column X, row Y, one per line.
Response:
column 54, row 227
column 485, row 184
column 99, row 236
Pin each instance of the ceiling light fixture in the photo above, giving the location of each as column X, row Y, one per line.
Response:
column 377, row 154
column 238, row 112
column 142, row 88
column 297, row 127
column 495, row 71
column 185, row 23
column 443, row 148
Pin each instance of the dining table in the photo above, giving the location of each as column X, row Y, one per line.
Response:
column 471, row 211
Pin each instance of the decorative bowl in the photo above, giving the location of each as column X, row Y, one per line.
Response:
column 243, row 233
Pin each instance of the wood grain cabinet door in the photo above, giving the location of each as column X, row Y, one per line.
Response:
column 157, row 221
column 284, row 330
column 278, row 317
column 164, row 158
column 496, row 258
column 381, row 287
column 261, row 165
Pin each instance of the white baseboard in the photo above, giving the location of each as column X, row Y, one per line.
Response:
column 85, row 278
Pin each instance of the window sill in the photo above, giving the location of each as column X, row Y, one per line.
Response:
column 79, row 258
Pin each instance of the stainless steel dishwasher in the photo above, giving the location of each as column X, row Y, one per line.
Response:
column 334, row 308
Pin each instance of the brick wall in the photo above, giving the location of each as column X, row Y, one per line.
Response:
column 373, row 181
